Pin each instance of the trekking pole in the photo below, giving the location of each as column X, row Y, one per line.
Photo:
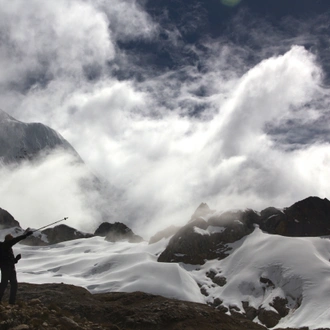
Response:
column 49, row 224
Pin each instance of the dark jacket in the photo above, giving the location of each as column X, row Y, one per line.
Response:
column 7, row 258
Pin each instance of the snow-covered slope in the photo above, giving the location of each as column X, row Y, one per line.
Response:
column 101, row 266
column 260, row 267
column 20, row 140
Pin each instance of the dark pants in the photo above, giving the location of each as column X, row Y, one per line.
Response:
column 8, row 274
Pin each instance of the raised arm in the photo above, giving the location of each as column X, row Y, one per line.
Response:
column 15, row 240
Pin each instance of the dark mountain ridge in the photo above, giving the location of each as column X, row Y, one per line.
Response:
column 61, row 233
column 307, row 218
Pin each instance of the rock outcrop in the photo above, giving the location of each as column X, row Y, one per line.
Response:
column 203, row 210
column 62, row 233
column 57, row 234
column 202, row 240
column 117, row 231
column 309, row 217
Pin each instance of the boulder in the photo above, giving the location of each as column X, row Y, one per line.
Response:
column 216, row 278
column 280, row 304
column 269, row 318
column 250, row 311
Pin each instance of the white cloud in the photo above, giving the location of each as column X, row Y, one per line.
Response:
column 141, row 136
column 269, row 91
column 40, row 193
column 44, row 40
column 127, row 18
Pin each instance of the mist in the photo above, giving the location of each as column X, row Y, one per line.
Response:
column 237, row 128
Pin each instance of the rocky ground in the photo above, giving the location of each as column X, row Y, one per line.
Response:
column 66, row 307
column 61, row 306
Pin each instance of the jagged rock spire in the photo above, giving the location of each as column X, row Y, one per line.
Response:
column 201, row 211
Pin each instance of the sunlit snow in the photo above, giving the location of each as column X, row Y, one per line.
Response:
column 101, row 266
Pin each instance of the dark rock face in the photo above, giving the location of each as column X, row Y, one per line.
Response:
column 25, row 141
column 280, row 304
column 309, row 217
column 117, row 231
column 62, row 233
column 250, row 312
column 191, row 247
column 103, row 229
column 7, row 220
column 202, row 240
column 268, row 318
column 35, row 240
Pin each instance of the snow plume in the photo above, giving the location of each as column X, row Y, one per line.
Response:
column 50, row 189
column 221, row 129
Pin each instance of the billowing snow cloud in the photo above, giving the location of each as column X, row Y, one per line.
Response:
column 48, row 191
column 218, row 130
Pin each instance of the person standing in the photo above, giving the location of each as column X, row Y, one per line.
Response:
column 7, row 265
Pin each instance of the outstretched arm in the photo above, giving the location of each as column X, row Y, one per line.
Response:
column 15, row 240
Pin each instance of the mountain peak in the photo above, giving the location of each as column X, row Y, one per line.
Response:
column 19, row 140
column 4, row 117
column 201, row 211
